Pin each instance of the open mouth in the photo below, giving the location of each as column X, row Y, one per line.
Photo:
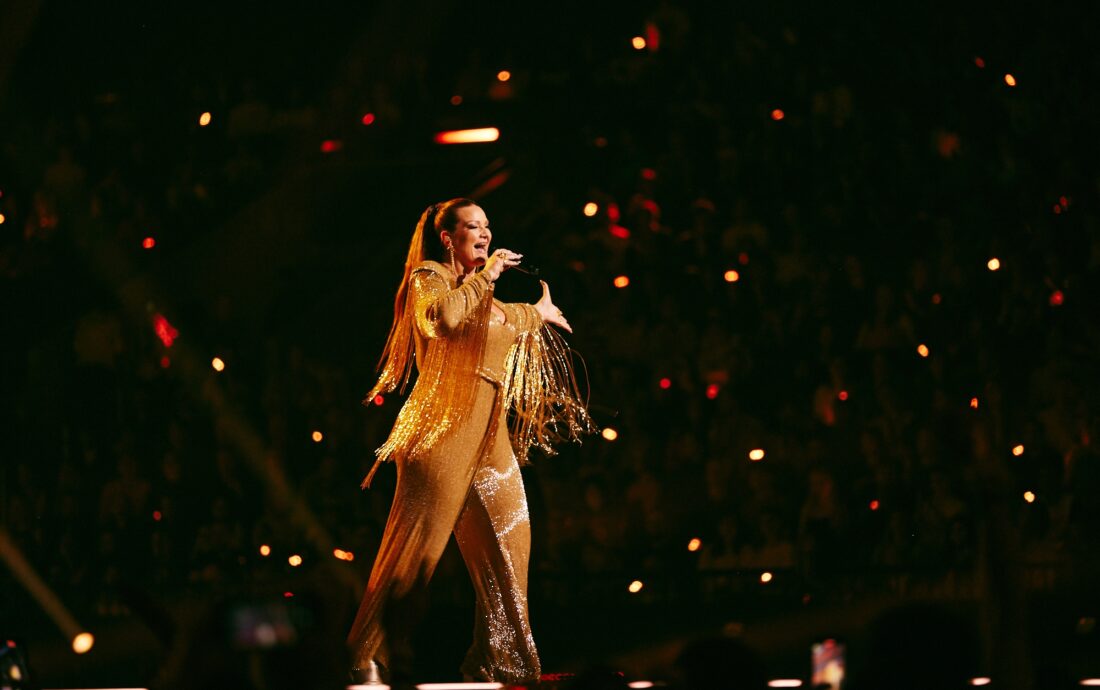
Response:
column 481, row 246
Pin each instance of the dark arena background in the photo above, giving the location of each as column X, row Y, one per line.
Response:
column 832, row 270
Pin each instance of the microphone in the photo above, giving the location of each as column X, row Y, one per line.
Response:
column 530, row 269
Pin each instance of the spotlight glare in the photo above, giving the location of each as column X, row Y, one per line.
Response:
column 218, row 364
column 1018, row 450
column 638, row 42
column 994, row 264
column 765, row 577
column 591, row 208
column 731, row 276
column 265, row 550
column 294, row 560
column 1010, row 80
column 635, row 586
column 204, row 119
column 694, row 544
column 317, row 436
column 621, row 281
column 785, row 683
column 1029, row 496
column 609, row 434
column 468, row 136
column 982, row 680
column 922, row 350
column 756, row 454
column 83, row 642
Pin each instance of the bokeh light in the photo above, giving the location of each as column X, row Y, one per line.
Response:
column 665, row 383
column 842, row 396
column 1029, row 496
column 979, row 62
column 766, row 577
column 265, row 550
column 148, row 243
column 1010, row 80
column 456, row 99
column 294, row 560
column 994, row 264
column 218, row 364
column 874, row 504
column 731, row 276
column 378, row 400
column 922, row 350
column 1018, row 450
column 504, row 75
column 317, row 436
column 204, row 119
column 2, row 218
column 1057, row 299
column 638, row 42
column 973, row 403
column 694, row 544
column 756, row 454
column 83, row 642
column 591, row 208
column 621, row 281
column 609, row 434
column 468, row 136
column 368, row 119
column 635, row 586
column 778, row 115
column 712, row 391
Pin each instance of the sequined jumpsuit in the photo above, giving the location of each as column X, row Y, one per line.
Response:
column 468, row 482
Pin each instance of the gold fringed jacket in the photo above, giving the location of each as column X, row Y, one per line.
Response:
column 446, row 324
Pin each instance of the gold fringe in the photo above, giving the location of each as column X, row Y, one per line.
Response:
column 541, row 393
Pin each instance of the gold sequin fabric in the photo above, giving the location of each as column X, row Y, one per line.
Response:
column 488, row 389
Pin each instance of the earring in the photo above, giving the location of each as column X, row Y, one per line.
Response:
column 449, row 255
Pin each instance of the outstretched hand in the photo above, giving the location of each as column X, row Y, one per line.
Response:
column 548, row 311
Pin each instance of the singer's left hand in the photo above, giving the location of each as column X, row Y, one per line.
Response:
column 549, row 312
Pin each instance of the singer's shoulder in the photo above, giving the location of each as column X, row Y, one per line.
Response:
column 432, row 267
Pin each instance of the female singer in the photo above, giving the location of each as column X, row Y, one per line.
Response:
column 494, row 379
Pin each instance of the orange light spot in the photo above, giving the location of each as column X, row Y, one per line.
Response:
column 635, row 586
column 157, row 515
column 1010, row 80
column 694, row 544
column 204, row 119
column 765, row 577
column 1018, row 449
column 994, row 264
column 368, row 119
column 756, row 454
column 743, row 258
column 974, row 403
column 218, row 364
column 456, row 99
column 2, row 218
column 874, row 505
column 1029, row 496
column 712, row 391
column 937, row 298
column 148, row 243
column 83, row 642
column 842, row 395
column 600, row 142
column 294, row 560
column 621, row 281
column 922, row 350
column 979, row 62
column 665, row 383
column 468, row 136
column 288, row 595
column 342, row 555
column 638, row 42
column 731, row 276
column 591, row 208
column 317, row 436
column 504, row 75
column 265, row 550
column 609, row 434
column 778, row 115
column 378, row 399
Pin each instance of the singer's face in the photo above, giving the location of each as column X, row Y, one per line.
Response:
column 470, row 238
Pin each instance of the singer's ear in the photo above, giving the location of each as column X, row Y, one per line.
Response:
column 445, row 238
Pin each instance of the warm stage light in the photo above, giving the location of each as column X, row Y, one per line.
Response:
column 295, row 560
column 331, row 145
column 619, row 231
column 157, row 515
column 204, row 119
column 1018, row 450
column 504, row 75
column 2, row 218
column 694, row 544
column 712, row 391
column 1057, row 299
column 994, row 264
column 218, row 364
column 590, row 209
column 874, row 504
column 980, row 681
column 368, row 119
column 83, row 642
column 665, row 383
column 148, row 243
column 756, row 454
column 165, row 362
column 979, row 62
column 468, row 136
column 164, row 330
column 937, row 298
column 343, row 555
column 638, row 42
column 922, row 350
column 842, row 396
column 265, row 550
column 1029, row 496
column 765, row 577
column 621, row 281
column 731, row 276
column 974, row 403
column 456, row 99
column 778, row 115
column 378, row 399
column 1010, row 80
column 318, row 436
column 635, row 586
column 785, row 683
column 609, row 434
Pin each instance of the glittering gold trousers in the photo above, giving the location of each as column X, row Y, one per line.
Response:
column 480, row 497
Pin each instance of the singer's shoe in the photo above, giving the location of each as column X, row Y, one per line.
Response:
column 371, row 675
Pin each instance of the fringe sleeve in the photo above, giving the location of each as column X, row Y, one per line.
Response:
column 540, row 389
